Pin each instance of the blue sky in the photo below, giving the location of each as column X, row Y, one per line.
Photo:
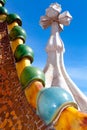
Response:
column 73, row 36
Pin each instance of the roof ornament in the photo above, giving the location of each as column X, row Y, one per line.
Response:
column 55, row 72
column 53, row 15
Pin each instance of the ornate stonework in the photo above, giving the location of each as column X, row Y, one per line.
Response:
column 15, row 112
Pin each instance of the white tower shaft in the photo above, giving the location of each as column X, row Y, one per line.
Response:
column 54, row 70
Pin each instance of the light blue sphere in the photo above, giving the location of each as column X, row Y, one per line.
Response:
column 52, row 100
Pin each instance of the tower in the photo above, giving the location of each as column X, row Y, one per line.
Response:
column 54, row 70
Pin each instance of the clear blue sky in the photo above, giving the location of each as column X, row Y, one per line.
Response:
column 73, row 36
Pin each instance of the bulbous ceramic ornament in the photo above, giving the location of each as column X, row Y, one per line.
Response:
column 3, row 2
column 30, row 74
column 23, row 51
column 51, row 102
column 3, row 10
column 14, row 18
column 17, row 32
column 3, row 13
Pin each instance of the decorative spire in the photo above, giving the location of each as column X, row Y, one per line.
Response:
column 55, row 72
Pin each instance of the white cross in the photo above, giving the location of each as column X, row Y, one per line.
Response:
column 53, row 15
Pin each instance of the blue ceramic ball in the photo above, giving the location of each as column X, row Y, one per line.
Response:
column 52, row 100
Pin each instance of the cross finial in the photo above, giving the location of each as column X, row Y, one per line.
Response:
column 53, row 15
